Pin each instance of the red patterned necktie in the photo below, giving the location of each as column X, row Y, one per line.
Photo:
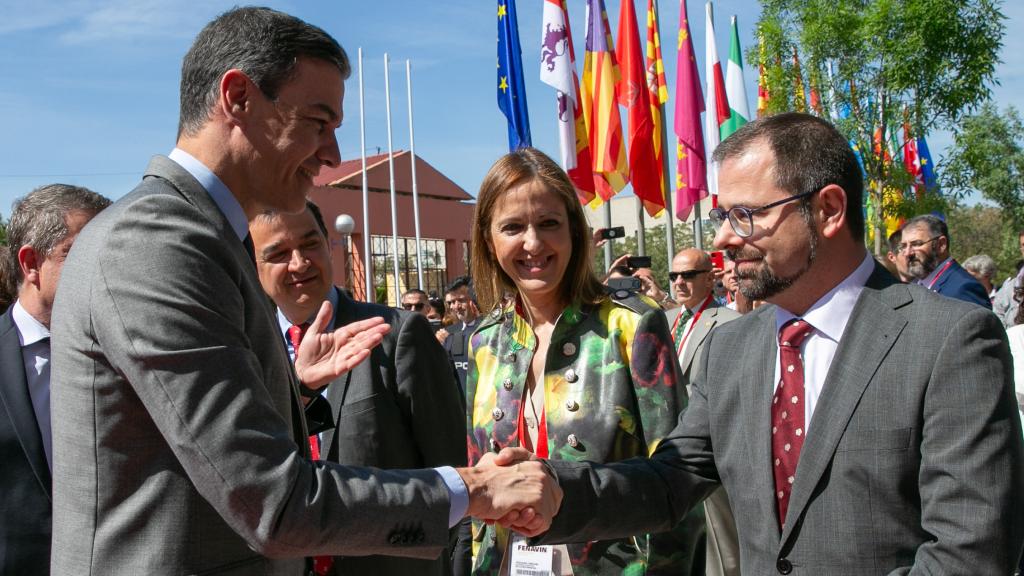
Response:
column 321, row 564
column 788, row 412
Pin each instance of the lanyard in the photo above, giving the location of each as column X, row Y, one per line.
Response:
column 682, row 343
column 940, row 273
column 540, row 448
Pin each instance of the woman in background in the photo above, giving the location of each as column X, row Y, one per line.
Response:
column 563, row 368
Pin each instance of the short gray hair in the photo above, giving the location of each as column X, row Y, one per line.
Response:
column 39, row 219
column 982, row 265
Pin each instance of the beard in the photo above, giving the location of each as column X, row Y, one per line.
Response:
column 921, row 265
column 762, row 282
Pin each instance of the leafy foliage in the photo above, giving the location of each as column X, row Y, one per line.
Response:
column 655, row 244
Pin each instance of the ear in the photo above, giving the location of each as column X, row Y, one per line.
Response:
column 832, row 210
column 237, row 93
column 29, row 261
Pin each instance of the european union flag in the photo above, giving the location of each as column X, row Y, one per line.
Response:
column 927, row 169
column 511, row 90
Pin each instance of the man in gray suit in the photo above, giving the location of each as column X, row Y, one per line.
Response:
column 693, row 281
column 398, row 409
column 875, row 433
column 180, row 441
column 43, row 226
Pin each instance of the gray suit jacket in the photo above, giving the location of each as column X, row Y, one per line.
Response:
column 400, row 408
column 913, row 463
column 714, row 315
column 179, row 445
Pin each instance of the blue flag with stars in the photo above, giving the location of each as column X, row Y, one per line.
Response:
column 927, row 169
column 511, row 90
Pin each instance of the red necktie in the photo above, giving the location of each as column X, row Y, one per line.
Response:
column 321, row 564
column 788, row 412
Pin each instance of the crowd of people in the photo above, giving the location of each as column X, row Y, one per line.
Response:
column 187, row 391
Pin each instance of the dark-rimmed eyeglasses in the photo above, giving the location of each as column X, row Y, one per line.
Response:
column 686, row 274
column 417, row 306
column 741, row 218
column 915, row 244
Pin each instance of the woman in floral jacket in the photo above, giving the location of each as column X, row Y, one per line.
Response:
column 559, row 366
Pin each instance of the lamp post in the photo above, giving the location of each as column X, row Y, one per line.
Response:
column 343, row 225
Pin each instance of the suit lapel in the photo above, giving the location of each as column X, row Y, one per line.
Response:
column 705, row 323
column 336, row 391
column 756, row 384
column 870, row 334
column 17, row 403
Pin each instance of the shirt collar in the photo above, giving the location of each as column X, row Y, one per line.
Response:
column 332, row 297
column 928, row 280
column 830, row 314
column 30, row 330
column 217, row 190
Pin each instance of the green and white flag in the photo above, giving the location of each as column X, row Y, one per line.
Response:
column 735, row 90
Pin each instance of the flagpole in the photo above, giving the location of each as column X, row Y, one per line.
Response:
column 670, row 241
column 367, row 255
column 391, row 176
column 608, row 224
column 415, row 195
column 641, row 238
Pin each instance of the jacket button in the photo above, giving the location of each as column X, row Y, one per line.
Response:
column 494, row 445
column 394, row 539
column 572, row 440
column 507, row 384
column 497, row 414
column 568, row 349
column 571, row 405
column 511, row 357
column 571, row 376
column 784, row 566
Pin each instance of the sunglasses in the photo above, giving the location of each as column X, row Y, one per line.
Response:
column 686, row 274
column 417, row 306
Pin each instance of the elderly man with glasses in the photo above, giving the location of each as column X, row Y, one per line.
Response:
column 925, row 246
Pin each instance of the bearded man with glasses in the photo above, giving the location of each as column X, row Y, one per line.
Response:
column 925, row 246
column 858, row 425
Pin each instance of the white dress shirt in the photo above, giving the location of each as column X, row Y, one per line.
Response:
column 35, row 354
column 829, row 316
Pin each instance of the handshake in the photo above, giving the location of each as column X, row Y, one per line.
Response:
column 513, row 488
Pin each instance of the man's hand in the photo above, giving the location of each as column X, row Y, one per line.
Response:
column 650, row 287
column 323, row 356
column 514, row 489
column 441, row 335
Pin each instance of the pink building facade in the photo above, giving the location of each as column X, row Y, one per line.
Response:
column 445, row 220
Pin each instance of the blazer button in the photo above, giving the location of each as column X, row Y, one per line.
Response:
column 507, row 384
column 571, row 405
column 784, row 566
column 572, row 440
column 571, row 376
column 497, row 414
column 568, row 349
column 511, row 357
column 494, row 445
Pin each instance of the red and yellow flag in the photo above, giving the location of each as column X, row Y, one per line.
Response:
column 657, row 92
column 600, row 111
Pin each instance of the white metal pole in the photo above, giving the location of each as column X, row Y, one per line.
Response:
column 367, row 254
column 391, row 172
column 415, row 194
column 608, row 224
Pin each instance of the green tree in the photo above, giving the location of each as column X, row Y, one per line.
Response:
column 979, row 229
column 919, row 62
column 655, row 247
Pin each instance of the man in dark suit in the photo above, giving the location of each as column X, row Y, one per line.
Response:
column 925, row 241
column 398, row 409
column 43, row 226
column 180, row 444
column 461, row 302
column 858, row 425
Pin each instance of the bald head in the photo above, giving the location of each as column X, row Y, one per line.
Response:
column 693, row 279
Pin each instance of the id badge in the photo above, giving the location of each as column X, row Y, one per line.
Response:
column 526, row 560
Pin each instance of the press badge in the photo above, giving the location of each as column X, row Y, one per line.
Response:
column 529, row 560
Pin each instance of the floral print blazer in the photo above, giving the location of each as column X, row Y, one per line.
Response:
column 609, row 394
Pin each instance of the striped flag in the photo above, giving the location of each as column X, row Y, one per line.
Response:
column 558, row 70
column 657, row 91
column 717, row 101
column 799, row 96
column 691, row 175
column 735, row 90
column 763, row 95
column 600, row 75
column 644, row 170
column 511, row 88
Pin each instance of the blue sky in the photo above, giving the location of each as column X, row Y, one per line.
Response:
column 89, row 88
